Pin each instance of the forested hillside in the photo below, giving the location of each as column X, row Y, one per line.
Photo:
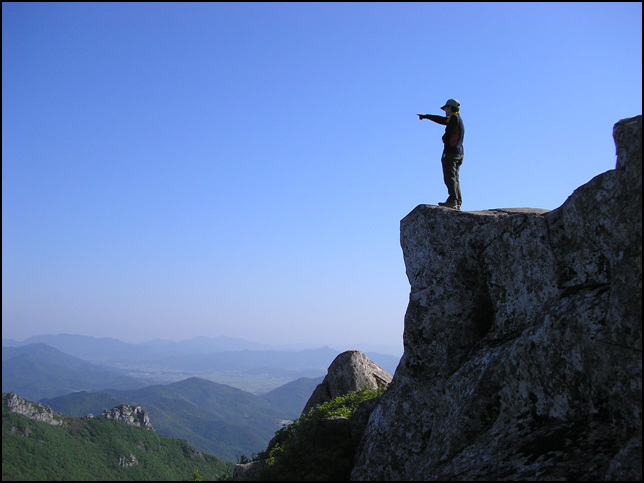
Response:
column 98, row 449
column 215, row 418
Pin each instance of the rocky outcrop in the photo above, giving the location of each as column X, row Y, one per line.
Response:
column 127, row 461
column 132, row 415
column 522, row 339
column 32, row 410
column 349, row 371
column 249, row 471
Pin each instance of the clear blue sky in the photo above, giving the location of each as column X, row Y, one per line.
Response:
column 179, row 170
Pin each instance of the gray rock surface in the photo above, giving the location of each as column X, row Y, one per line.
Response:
column 523, row 340
column 349, row 371
column 250, row 471
column 132, row 415
column 32, row 410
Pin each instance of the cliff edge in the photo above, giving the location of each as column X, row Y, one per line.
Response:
column 523, row 340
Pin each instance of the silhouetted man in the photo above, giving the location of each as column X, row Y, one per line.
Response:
column 453, row 150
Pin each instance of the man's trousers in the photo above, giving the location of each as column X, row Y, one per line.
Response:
column 451, row 165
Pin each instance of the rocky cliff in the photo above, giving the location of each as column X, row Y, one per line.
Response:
column 523, row 340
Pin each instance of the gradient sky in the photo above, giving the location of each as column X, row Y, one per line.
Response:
column 178, row 170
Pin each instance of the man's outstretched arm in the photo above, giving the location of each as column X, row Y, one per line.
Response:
column 439, row 119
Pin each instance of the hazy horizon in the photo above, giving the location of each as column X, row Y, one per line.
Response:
column 388, row 349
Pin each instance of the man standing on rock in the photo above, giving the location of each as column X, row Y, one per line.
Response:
column 453, row 150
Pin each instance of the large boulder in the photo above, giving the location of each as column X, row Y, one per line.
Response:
column 523, row 340
column 349, row 371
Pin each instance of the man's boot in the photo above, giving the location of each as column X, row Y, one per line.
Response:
column 450, row 204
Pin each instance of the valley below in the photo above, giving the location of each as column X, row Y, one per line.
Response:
column 228, row 403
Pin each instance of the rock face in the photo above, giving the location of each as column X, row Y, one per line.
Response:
column 32, row 410
column 523, row 340
column 349, row 371
column 132, row 415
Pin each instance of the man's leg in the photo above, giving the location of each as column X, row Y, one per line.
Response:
column 451, row 166
column 457, row 184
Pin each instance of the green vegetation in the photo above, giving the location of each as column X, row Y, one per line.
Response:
column 99, row 449
column 217, row 419
column 317, row 446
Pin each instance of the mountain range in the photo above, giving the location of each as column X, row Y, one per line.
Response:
column 215, row 418
column 186, row 388
column 38, row 370
column 246, row 365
